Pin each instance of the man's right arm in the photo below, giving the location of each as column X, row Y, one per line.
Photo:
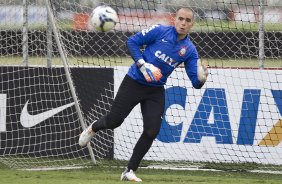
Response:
column 145, row 37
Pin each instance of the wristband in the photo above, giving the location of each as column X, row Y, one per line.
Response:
column 140, row 62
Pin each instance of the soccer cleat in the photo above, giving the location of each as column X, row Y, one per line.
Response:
column 86, row 136
column 129, row 176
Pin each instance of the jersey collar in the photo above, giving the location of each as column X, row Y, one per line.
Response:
column 176, row 36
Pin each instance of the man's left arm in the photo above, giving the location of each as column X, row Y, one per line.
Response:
column 196, row 70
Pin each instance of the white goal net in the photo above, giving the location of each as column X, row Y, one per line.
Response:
column 58, row 74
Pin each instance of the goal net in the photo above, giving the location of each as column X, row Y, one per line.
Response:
column 58, row 75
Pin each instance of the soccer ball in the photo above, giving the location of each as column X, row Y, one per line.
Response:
column 104, row 18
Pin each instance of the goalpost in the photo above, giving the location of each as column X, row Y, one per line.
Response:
column 58, row 75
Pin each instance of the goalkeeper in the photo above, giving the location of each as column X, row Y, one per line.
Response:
column 166, row 47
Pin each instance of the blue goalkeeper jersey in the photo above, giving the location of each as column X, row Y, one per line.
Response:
column 163, row 51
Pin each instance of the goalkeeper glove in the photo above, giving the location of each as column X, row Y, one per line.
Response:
column 202, row 71
column 150, row 72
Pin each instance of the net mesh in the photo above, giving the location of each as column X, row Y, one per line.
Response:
column 233, row 122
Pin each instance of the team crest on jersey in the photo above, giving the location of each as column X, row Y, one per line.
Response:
column 182, row 51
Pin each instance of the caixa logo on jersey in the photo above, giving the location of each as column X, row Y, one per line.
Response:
column 37, row 112
column 228, row 120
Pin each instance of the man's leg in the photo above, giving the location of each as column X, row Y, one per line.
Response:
column 152, row 111
column 123, row 103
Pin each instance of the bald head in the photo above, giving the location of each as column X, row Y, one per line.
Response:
column 187, row 10
column 184, row 21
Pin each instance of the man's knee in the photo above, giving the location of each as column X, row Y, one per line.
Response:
column 152, row 126
column 151, row 133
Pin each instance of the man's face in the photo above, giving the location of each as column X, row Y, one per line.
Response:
column 184, row 21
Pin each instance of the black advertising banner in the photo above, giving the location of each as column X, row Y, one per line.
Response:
column 38, row 116
column 209, row 44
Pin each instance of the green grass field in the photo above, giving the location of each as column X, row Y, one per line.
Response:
column 127, row 61
column 112, row 175
column 199, row 26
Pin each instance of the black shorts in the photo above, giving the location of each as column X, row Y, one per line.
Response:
column 151, row 99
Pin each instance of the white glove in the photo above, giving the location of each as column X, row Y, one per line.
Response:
column 150, row 72
column 202, row 71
